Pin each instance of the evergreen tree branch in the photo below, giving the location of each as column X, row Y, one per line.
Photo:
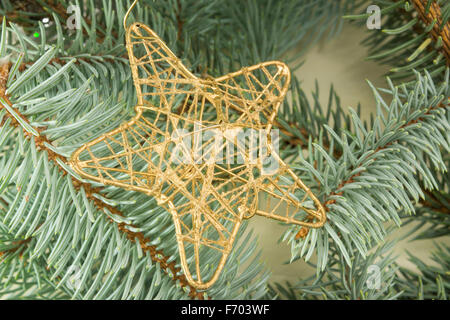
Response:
column 432, row 16
column 429, row 282
column 380, row 150
column 366, row 175
column 414, row 37
column 366, row 186
column 41, row 144
column 41, row 120
column 42, row 8
column 432, row 217
column 17, row 246
column 435, row 201
column 340, row 281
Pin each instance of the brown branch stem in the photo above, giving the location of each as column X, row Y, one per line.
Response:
column 434, row 14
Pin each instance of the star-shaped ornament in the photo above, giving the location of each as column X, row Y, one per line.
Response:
column 204, row 149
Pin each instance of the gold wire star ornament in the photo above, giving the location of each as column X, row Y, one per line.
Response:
column 205, row 149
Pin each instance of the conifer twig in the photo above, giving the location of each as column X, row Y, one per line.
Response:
column 21, row 245
column 434, row 14
column 431, row 201
column 351, row 179
column 40, row 141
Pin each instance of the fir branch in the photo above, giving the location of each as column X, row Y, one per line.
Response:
column 50, row 6
column 430, row 282
column 433, row 211
column 62, row 12
column 435, row 203
column 14, row 14
column 340, row 281
column 367, row 186
column 299, row 121
column 414, row 37
column 17, row 246
column 156, row 255
column 401, row 159
column 64, row 60
column 294, row 141
column 433, row 16
column 351, row 179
